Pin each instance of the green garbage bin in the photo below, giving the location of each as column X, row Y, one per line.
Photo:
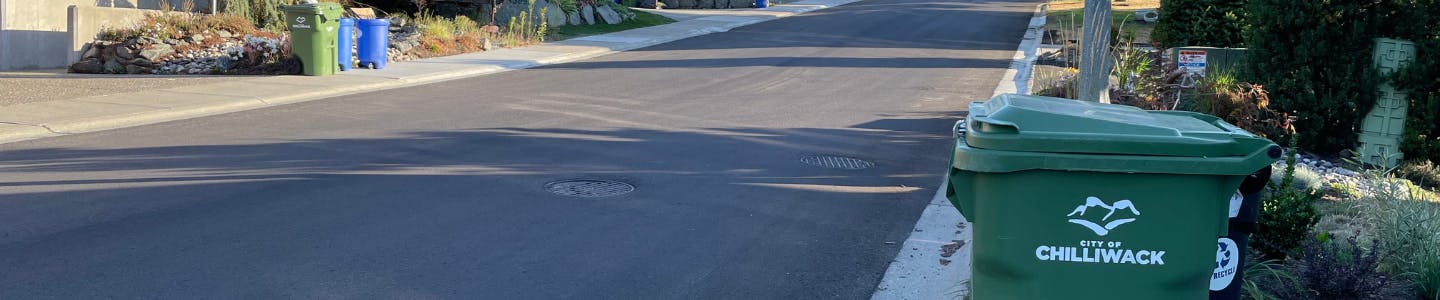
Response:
column 1082, row 200
column 313, row 35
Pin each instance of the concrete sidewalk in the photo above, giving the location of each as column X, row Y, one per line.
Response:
column 934, row 262
column 42, row 119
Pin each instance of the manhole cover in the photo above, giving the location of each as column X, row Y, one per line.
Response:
column 836, row 162
column 589, row 188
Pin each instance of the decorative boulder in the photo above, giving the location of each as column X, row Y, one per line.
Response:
column 554, row 16
column 588, row 13
column 608, row 15
column 574, row 19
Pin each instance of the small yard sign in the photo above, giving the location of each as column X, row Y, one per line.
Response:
column 1193, row 61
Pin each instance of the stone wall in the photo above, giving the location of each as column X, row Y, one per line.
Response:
column 86, row 22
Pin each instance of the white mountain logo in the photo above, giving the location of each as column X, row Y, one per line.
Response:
column 1090, row 202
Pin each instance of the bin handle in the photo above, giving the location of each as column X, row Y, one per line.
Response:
column 960, row 190
column 988, row 125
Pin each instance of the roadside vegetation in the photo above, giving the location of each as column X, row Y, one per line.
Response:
column 1331, row 227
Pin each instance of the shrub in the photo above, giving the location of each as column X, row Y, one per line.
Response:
column 1214, row 23
column 437, row 27
column 1287, row 215
column 1345, row 270
column 1265, row 279
column 1422, row 172
column 1418, row 21
column 1344, row 190
column 1243, row 104
column 1130, row 62
column 527, row 28
column 1061, row 83
column 1407, row 224
column 1422, row 83
column 239, row 8
column 1314, row 57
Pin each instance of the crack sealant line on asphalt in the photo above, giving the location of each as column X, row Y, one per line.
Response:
column 23, row 131
column 920, row 270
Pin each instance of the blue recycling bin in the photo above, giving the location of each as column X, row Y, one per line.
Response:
column 374, row 40
column 762, row 3
column 345, row 49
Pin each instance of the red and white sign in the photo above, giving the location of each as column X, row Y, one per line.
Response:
column 1192, row 61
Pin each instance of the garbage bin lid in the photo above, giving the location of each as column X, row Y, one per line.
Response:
column 1053, row 125
column 325, row 8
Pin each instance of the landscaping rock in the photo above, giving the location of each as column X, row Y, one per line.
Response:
column 107, row 52
column 706, row 4
column 554, row 16
column 136, row 69
column 651, row 4
column 173, row 42
column 742, row 3
column 608, row 14
column 141, row 62
column 574, row 19
column 156, row 52
column 89, row 51
column 88, row 66
column 587, row 12
column 125, row 53
column 196, row 38
column 224, row 34
column 112, row 66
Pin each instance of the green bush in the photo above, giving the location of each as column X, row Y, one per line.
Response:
column 1314, row 57
column 1336, row 270
column 1407, row 224
column 239, row 8
column 263, row 13
column 1422, row 81
column 1213, row 23
column 1264, row 279
column 1423, row 172
column 1287, row 215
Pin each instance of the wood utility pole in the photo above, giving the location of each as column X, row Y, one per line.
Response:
column 1095, row 61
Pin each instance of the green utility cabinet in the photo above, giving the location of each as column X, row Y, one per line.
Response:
column 1082, row 200
column 1382, row 129
column 313, row 36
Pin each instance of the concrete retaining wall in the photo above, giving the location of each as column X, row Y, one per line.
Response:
column 34, row 34
column 39, row 34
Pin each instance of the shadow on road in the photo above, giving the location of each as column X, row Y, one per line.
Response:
column 718, row 212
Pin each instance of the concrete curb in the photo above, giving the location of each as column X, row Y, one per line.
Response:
column 920, row 271
column 63, row 117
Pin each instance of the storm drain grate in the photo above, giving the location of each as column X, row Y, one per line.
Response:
column 836, row 162
column 589, row 188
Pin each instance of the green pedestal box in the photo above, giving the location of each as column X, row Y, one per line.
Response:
column 313, row 36
column 1082, row 200
column 1384, row 127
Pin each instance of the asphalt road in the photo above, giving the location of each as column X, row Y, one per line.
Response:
column 437, row 191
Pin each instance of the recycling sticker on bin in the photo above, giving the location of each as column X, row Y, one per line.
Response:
column 1101, row 218
column 1227, row 261
column 300, row 23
